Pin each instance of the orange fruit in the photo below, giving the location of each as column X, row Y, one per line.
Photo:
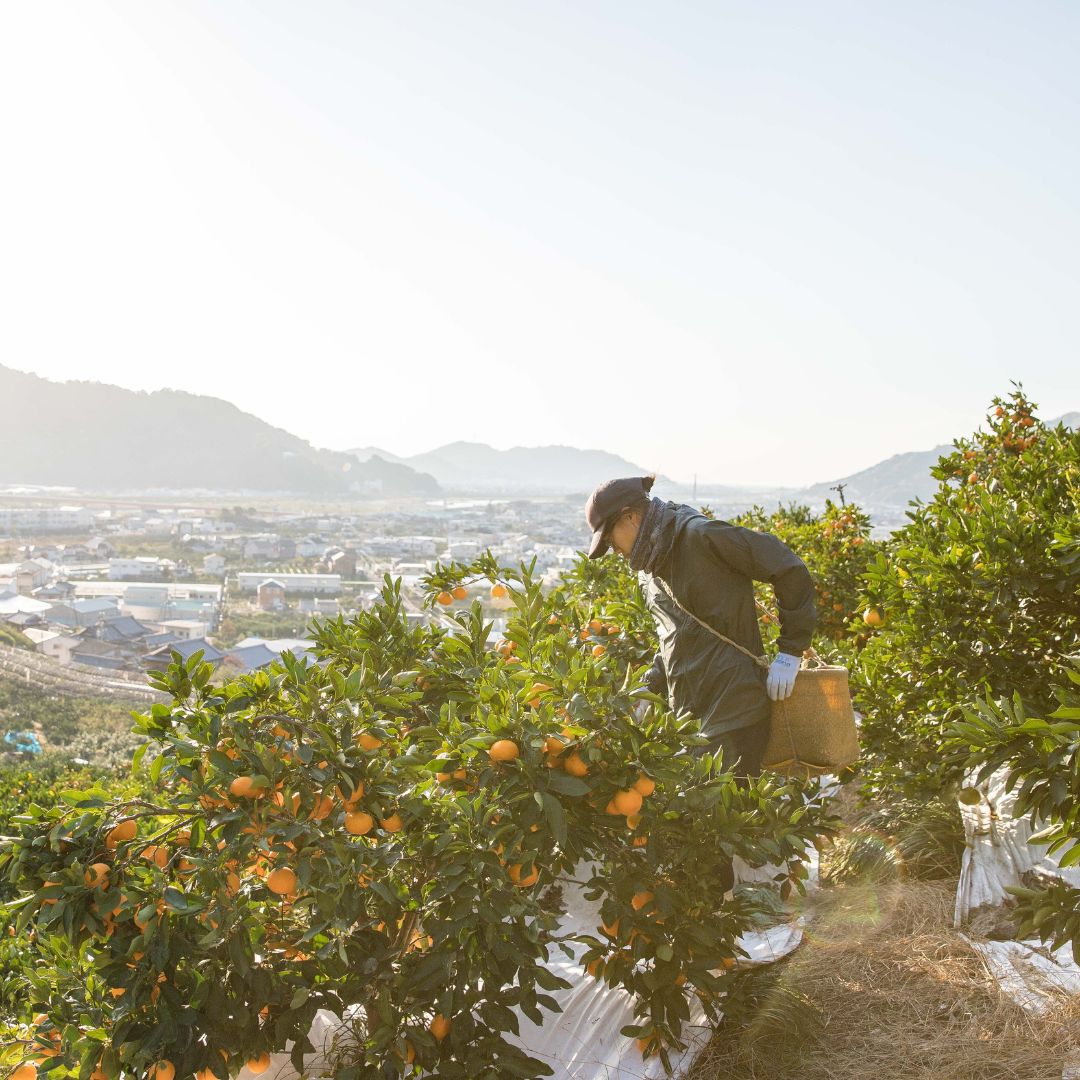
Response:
column 121, row 831
column 444, row 598
column 627, row 802
column 595, row 968
column 612, row 930
column 612, row 809
column 873, row 616
column 242, row 787
column 163, row 1070
column 596, row 626
column 259, row 1064
column 553, row 745
column 640, row 841
column 232, row 883
column 575, row 764
column 973, row 478
column 460, row 592
column 439, row 1026
column 613, row 630
column 498, row 591
column 368, row 741
column 640, row 899
column 392, row 824
column 523, row 882
column 358, row 823
column 352, row 799
column 323, row 808
column 599, row 650
column 158, row 855
column 535, row 691
column 503, row 750
column 644, row 785
column 97, row 877
column 25, row 1072
column 282, row 881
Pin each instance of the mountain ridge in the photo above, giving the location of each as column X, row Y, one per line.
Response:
column 169, row 439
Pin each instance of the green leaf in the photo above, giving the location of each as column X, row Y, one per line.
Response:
column 568, row 785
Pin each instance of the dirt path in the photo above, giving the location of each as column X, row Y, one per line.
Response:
column 882, row 988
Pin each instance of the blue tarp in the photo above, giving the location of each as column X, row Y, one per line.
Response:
column 25, row 741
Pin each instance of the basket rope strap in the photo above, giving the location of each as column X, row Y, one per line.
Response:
column 761, row 661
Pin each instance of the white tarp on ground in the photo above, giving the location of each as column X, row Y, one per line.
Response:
column 996, row 849
column 583, row 1042
column 996, row 855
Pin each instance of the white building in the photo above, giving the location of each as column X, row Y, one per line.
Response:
column 324, row 584
column 21, row 520
column 143, row 567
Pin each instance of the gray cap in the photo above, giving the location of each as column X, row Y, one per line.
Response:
column 607, row 500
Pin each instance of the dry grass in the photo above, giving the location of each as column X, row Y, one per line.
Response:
column 882, row 988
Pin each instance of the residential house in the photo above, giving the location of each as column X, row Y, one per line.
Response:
column 271, row 595
column 60, row 645
column 61, row 591
column 214, row 564
column 12, row 602
column 100, row 548
column 183, row 629
column 161, row 657
column 22, row 620
column 101, row 654
column 84, row 612
column 250, row 658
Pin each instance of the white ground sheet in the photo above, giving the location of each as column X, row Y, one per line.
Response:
column 583, row 1042
column 996, row 854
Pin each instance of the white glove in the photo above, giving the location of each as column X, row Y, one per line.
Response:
column 782, row 672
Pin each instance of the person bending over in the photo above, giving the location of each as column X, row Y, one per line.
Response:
column 710, row 567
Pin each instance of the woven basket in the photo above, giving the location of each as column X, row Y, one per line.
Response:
column 813, row 731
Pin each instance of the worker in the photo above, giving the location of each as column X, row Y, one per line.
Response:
column 690, row 565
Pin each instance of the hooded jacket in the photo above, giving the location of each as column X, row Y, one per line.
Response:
column 711, row 570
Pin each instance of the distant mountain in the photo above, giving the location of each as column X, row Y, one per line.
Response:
column 894, row 482
column 476, row 467
column 390, row 477
column 93, row 435
column 366, row 453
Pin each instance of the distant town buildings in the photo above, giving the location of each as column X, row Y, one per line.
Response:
column 118, row 588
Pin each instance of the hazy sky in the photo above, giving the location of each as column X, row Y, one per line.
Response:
column 762, row 242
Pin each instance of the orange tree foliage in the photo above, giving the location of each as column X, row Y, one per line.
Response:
column 838, row 550
column 980, row 594
column 343, row 836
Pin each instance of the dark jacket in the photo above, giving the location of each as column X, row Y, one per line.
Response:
column 711, row 570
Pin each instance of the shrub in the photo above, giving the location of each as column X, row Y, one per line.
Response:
column 377, row 830
column 977, row 593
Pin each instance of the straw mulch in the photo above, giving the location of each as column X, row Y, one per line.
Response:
column 883, row 988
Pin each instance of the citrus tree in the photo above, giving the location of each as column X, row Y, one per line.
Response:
column 976, row 595
column 375, row 834
column 838, row 550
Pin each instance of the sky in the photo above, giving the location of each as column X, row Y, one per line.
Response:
column 760, row 243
